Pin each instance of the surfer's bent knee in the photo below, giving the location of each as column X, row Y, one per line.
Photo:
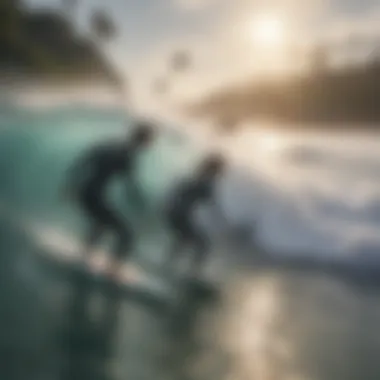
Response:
column 125, row 243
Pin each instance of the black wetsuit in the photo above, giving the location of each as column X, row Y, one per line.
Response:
column 180, row 213
column 95, row 171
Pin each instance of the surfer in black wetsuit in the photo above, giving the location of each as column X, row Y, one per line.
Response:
column 187, row 196
column 89, row 180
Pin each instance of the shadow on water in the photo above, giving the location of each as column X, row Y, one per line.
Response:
column 88, row 337
column 101, row 330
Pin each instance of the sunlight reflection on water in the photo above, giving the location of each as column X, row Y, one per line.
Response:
column 252, row 319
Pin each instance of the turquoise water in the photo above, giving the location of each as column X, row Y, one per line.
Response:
column 271, row 323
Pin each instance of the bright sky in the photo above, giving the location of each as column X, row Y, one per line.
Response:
column 228, row 39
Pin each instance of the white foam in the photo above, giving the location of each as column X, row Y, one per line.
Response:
column 319, row 195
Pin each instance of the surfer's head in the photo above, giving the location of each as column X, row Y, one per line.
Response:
column 213, row 166
column 143, row 134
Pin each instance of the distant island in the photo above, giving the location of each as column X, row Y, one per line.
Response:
column 341, row 97
column 43, row 45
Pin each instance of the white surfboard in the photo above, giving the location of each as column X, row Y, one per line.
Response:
column 62, row 248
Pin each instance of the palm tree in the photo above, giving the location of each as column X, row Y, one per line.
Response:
column 102, row 26
column 104, row 29
column 180, row 61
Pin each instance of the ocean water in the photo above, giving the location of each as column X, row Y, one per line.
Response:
column 297, row 197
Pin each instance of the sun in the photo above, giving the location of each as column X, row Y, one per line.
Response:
column 267, row 30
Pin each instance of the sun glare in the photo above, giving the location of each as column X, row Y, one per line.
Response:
column 269, row 143
column 267, row 30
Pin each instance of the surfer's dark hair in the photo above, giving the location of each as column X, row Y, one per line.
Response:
column 213, row 164
column 143, row 132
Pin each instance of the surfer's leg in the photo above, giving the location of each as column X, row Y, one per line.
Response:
column 201, row 246
column 94, row 236
column 123, row 242
column 97, row 227
column 177, row 247
column 179, row 230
